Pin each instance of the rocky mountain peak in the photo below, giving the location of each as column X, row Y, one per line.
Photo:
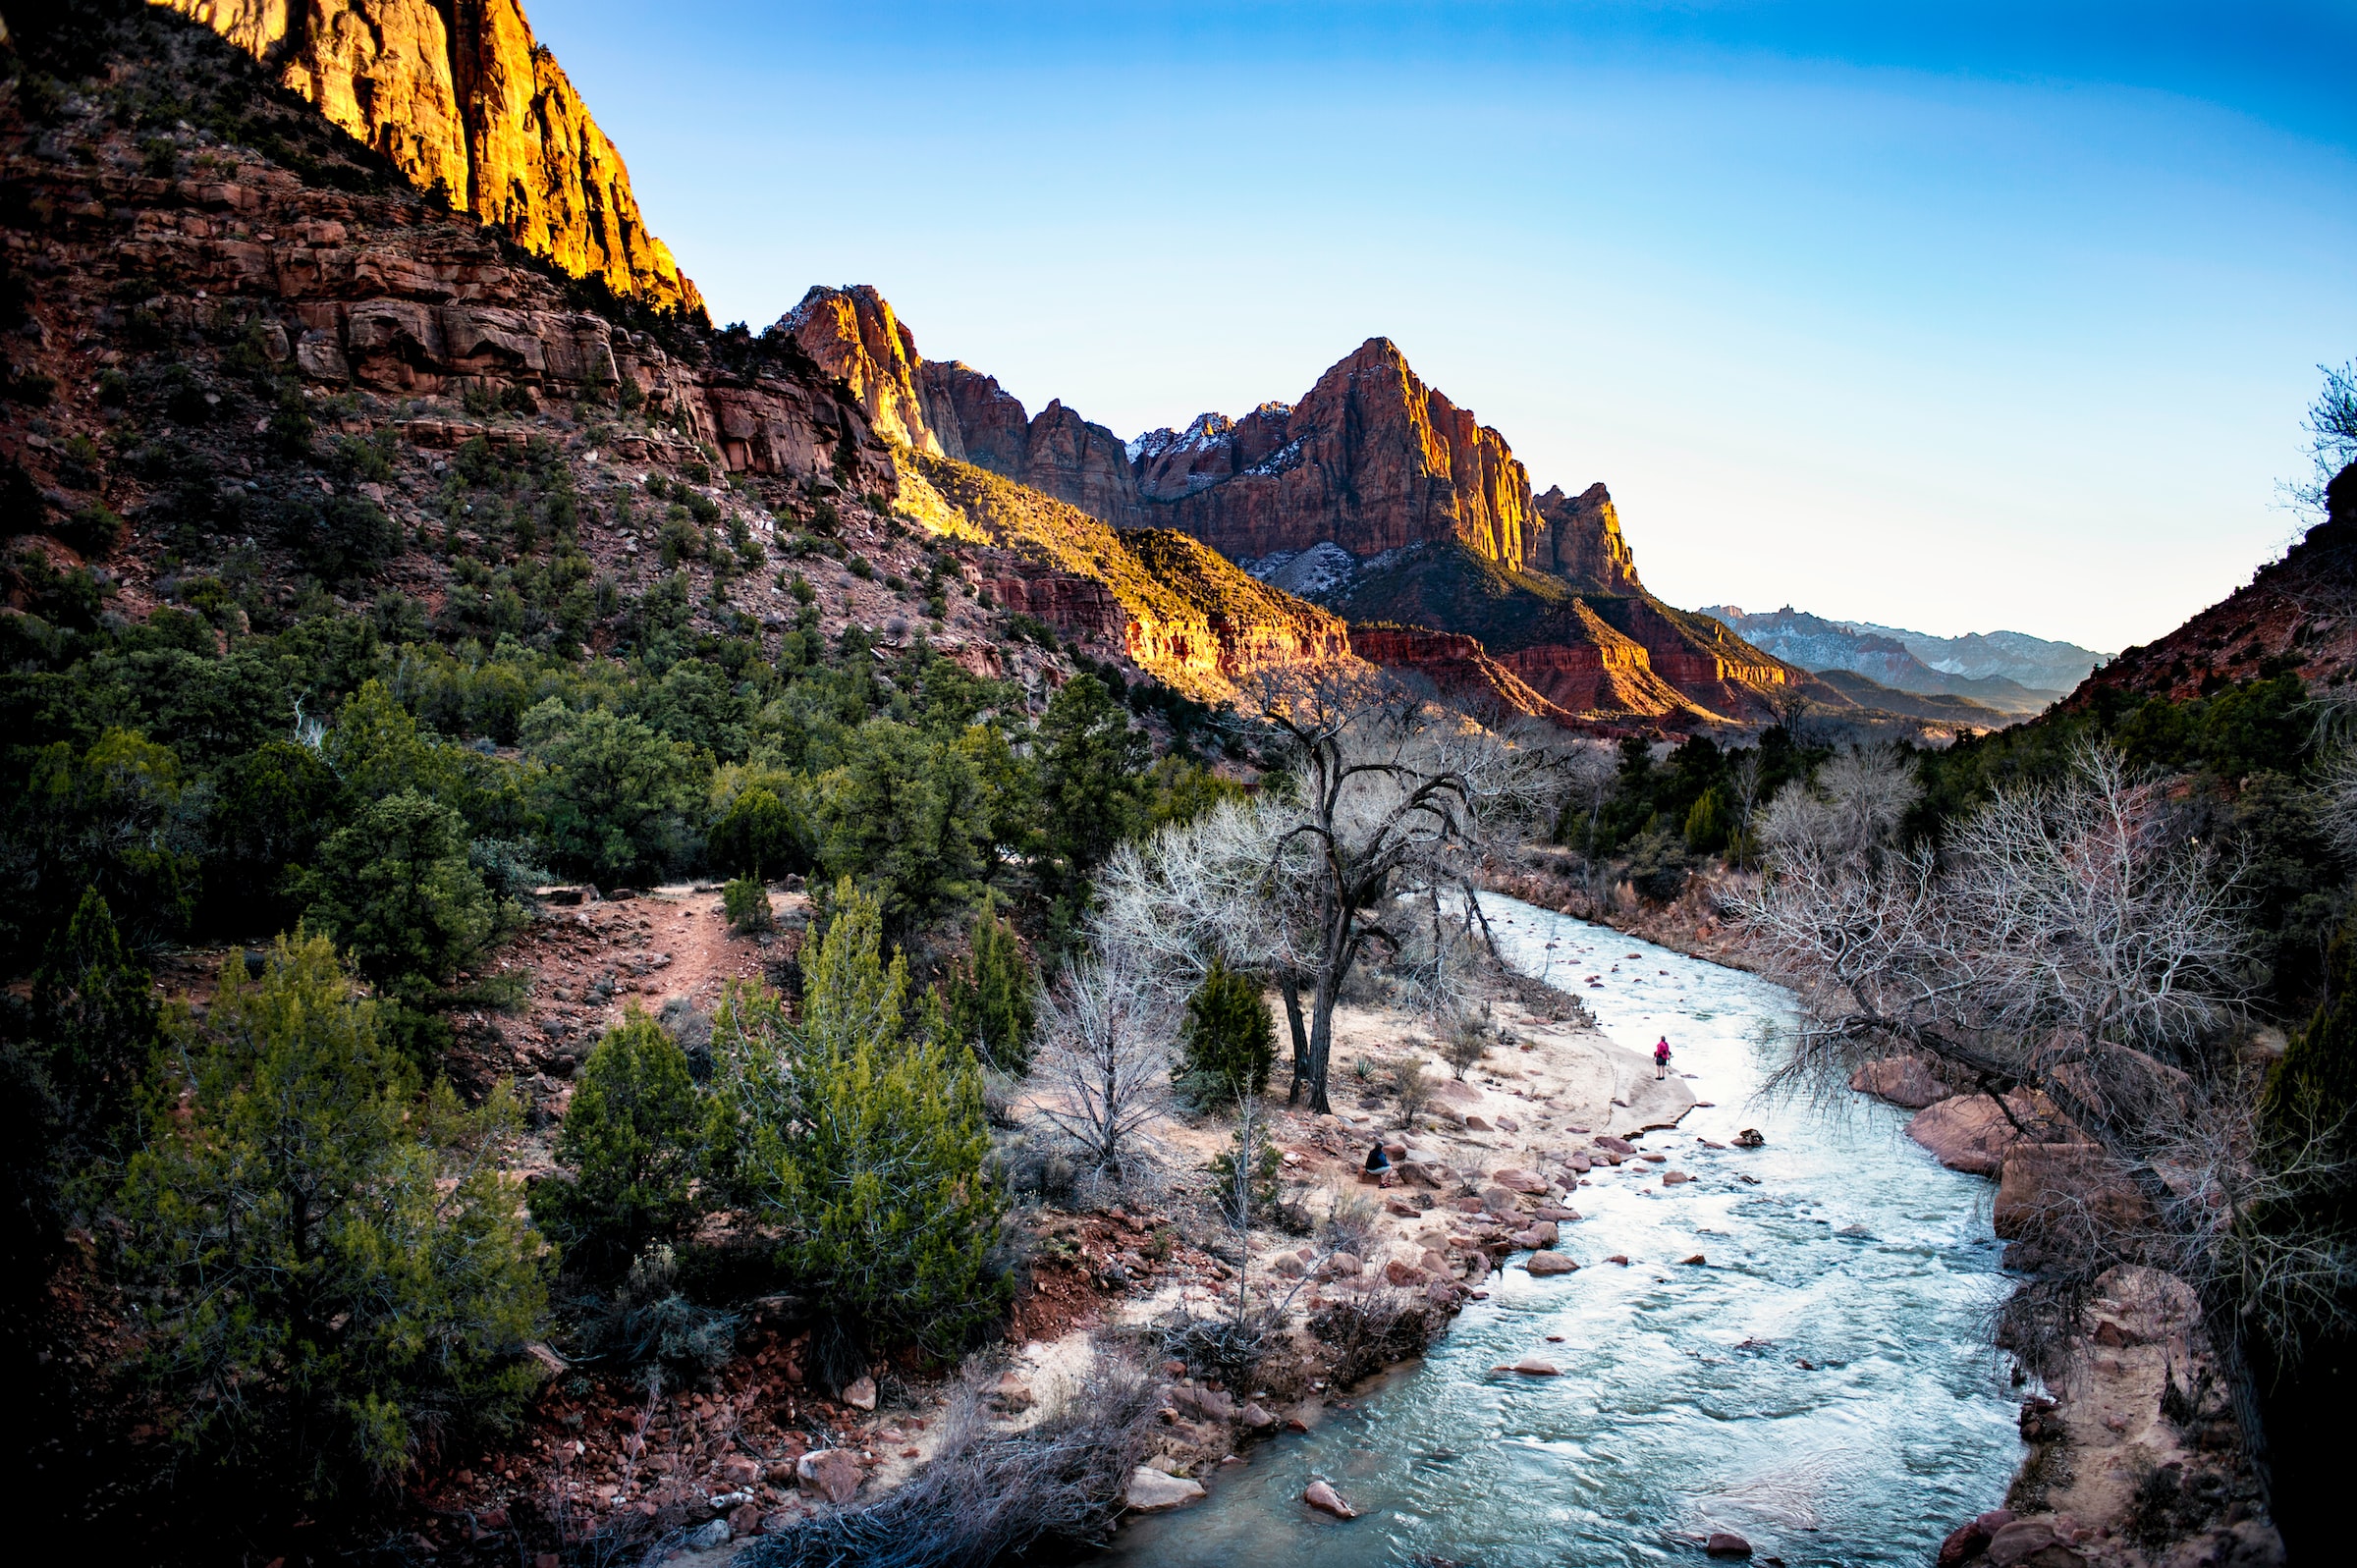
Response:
column 463, row 99
column 1583, row 543
column 852, row 332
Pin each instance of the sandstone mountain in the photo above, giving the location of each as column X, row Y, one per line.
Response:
column 1374, row 496
column 2297, row 616
column 461, row 97
column 310, row 348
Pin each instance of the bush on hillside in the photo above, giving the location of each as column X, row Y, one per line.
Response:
column 634, row 1134
column 333, row 1267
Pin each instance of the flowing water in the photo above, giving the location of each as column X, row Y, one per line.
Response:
column 1823, row 1386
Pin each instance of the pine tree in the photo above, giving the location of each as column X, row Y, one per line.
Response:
column 863, row 1141
column 635, row 1134
column 1227, row 1042
column 335, row 1265
column 986, row 998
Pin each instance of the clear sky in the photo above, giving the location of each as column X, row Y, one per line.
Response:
column 1955, row 317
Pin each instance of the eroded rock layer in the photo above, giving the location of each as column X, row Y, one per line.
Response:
column 460, row 97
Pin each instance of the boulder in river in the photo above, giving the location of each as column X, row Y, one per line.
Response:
column 1726, row 1543
column 1542, row 1264
column 1322, row 1496
column 1533, row 1365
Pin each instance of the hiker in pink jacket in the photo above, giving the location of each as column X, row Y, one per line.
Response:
column 1661, row 1057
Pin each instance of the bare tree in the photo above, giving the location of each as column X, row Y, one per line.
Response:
column 2331, row 433
column 2072, row 952
column 1591, row 779
column 1102, row 1066
column 1388, row 792
column 1851, row 809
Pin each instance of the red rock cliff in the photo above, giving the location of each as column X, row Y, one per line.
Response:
column 458, row 94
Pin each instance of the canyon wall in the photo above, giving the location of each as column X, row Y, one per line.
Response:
column 460, row 96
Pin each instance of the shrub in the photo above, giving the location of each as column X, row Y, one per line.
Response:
column 92, row 530
column 863, row 1142
column 1252, row 1189
column 757, row 834
column 1413, row 1088
column 745, row 900
column 634, row 1134
column 1227, row 1042
column 1467, row 1043
column 986, row 997
column 335, row 1268
column 396, row 889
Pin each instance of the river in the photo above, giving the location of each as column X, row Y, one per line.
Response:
column 1823, row 1386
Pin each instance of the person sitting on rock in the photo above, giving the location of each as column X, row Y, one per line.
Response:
column 1661, row 1057
column 1379, row 1165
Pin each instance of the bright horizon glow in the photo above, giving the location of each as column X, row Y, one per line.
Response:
column 1998, row 318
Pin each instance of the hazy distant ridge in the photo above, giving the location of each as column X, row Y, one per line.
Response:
column 2010, row 671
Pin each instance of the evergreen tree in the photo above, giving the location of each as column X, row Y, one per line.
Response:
column 986, row 998
column 1227, row 1042
column 634, row 1133
column 93, row 1020
column 863, row 1141
column 335, row 1265
column 1090, row 760
column 397, row 890
column 757, row 836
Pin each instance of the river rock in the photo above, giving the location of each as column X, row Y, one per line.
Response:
column 1256, row 1418
column 1533, row 1365
column 1501, row 1201
column 2066, row 1195
column 832, row 1473
column 1475, row 1121
column 1749, row 1138
column 1614, row 1146
column 1903, row 1081
column 1151, row 1490
column 1537, row 1236
column 1971, row 1133
column 1726, row 1544
column 1542, row 1264
column 1320, row 1496
column 1698, row 1261
column 2031, row 1543
column 1971, row 1538
column 1514, row 1180
column 1675, row 1178
column 1579, row 1165
column 1399, row 1271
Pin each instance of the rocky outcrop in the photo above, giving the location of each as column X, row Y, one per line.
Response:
column 1372, row 458
column 947, row 409
column 853, row 333
column 1458, row 665
column 1172, row 463
column 1582, row 542
column 462, row 98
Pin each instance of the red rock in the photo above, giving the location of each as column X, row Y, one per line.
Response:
column 1320, row 1496
column 1903, row 1081
column 1519, row 1180
column 1543, row 1263
column 1971, row 1133
column 833, row 1472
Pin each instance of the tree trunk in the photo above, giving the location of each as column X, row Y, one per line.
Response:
column 1321, row 1037
column 1290, row 985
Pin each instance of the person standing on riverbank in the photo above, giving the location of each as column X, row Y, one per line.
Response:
column 1661, row 1057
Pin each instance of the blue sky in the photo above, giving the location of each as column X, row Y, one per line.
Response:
column 1954, row 317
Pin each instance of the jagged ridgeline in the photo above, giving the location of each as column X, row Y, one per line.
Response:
column 1374, row 496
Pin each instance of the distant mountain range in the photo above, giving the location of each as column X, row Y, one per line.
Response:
column 2009, row 671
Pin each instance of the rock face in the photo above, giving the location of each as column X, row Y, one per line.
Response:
column 1903, row 1081
column 1972, row 1134
column 1372, row 458
column 952, row 410
column 459, row 96
column 1584, row 542
column 1155, row 598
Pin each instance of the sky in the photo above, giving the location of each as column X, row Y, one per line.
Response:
column 1955, row 317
